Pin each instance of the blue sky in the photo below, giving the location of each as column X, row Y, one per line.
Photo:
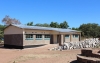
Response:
column 75, row 12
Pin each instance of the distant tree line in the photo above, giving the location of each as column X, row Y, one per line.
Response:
column 64, row 24
column 88, row 30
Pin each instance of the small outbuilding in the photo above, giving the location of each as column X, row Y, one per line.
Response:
column 21, row 36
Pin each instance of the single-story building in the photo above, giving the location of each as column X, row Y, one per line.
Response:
column 20, row 36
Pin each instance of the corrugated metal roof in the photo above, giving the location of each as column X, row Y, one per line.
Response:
column 45, row 28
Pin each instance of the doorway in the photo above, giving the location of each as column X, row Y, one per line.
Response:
column 51, row 39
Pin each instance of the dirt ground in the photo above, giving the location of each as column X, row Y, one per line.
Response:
column 38, row 55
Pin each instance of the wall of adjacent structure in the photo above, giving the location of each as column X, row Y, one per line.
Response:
column 13, row 36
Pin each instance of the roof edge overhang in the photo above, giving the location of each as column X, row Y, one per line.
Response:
column 7, row 26
column 12, row 25
column 75, row 31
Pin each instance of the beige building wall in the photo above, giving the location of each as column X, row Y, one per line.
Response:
column 74, row 39
column 29, row 31
column 71, row 38
column 55, row 38
column 54, row 32
column 13, row 30
column 68, row 38
column 34, row 41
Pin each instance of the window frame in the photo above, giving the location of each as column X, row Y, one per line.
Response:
column 67, row 36
column 47, row 37
column 38, row 37
column 75, row 35
column 28, row 36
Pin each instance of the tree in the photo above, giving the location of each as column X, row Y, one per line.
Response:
column 54, row 24
column 90, row 29
column 46, row 25
column 64, row 25
column 30, row 24
column 43, row 25
column 38, row 24
column 2, row 31
column 73, row 28
column 7, row 20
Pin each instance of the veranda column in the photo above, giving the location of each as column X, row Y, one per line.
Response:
column 70, row 37
column 43, row 38
column 62, row 39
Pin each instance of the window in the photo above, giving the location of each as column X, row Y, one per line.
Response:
column 75, row 36
column 47, row 37
column 29, row 36
column 39, row 37
column 66, row 36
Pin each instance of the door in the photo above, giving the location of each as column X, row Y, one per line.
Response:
column 59, row 39
column 51, row 39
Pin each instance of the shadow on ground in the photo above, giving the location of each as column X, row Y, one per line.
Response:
column 75, row 61
column 34, row 46
column 25, row 47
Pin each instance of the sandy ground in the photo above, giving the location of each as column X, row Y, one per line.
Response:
column 38, row 55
